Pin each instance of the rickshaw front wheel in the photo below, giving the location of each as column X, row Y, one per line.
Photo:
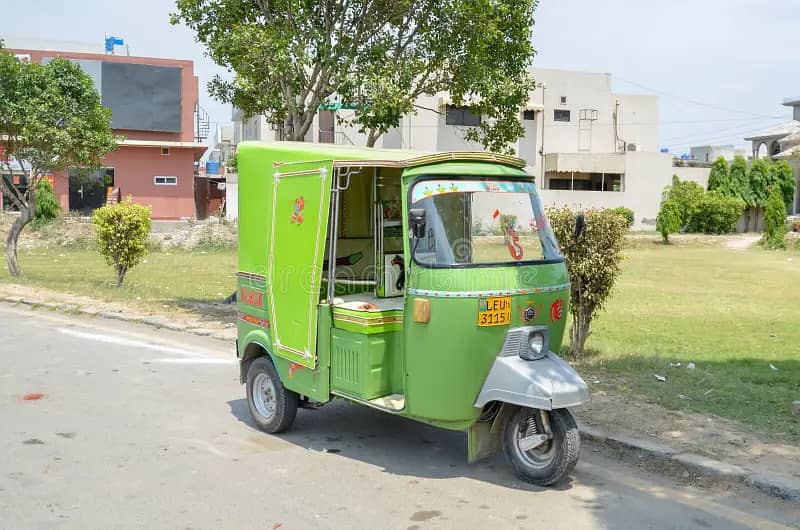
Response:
column 272, row 405
column 541, row 446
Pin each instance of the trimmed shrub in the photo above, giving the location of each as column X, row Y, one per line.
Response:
column 668, row 220
column 627, row 213
column 46, row 208
column 775, row 229
column 593, row 262
column 122, row 232
column 685, row 194
column 714, row 213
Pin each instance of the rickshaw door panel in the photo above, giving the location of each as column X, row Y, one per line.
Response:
column 297, row 230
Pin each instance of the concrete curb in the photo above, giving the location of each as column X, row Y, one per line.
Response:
column 777, row 486
column 157, row 322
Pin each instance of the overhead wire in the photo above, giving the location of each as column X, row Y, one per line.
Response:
column 693, row 101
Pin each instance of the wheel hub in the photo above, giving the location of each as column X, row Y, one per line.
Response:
column 264, row 396
column 532, row 444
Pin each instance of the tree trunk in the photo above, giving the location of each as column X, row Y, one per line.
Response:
column 579, row 331
column 373, row 137
column 121, row 275
column 25, row 217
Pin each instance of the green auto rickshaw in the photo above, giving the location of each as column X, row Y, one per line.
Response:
column 424, row 285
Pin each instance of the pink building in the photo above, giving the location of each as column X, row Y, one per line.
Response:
column 153, row 104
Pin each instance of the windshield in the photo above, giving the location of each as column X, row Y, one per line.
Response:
column 481, row 222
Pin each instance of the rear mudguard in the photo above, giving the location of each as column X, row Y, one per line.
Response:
column 548, row 383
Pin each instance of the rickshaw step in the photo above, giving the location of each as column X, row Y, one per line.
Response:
column 391, row 402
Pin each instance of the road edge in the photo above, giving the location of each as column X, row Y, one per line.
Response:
column 776, row 486
column 148, row 320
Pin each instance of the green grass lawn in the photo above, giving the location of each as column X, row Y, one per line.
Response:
column 172, row 277
column 730, row 312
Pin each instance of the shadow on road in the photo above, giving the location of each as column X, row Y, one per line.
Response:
column 398, row 445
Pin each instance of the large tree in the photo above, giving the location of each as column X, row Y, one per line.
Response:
column 720, row 178
column 740, row 184
column 289, row 56
column 50, row 119
column 783, row 177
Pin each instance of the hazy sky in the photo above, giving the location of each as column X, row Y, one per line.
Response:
column 737, row 58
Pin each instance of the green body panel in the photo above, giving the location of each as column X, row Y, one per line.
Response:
column 298, row 203
column 445, row 371
column 363, row 365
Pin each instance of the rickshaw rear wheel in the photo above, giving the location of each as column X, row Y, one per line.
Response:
column 272, row 405
column 552, row 459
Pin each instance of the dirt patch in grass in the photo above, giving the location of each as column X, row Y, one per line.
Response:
column 77, row 232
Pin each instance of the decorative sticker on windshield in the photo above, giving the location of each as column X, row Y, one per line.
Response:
column 430, row 188
column 511, row 238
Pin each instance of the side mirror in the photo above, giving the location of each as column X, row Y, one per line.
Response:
column 416, row 218
column 580, row 225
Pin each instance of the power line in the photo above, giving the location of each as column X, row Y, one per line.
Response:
column 693, row 101
column 729, row 130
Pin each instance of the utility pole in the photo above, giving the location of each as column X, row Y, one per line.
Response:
column 543, row 86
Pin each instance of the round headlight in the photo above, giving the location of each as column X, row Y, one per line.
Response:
column 536, row 345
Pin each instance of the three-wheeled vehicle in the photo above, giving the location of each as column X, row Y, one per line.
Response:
column 424, row 285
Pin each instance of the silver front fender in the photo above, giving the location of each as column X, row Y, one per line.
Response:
column 548, row 383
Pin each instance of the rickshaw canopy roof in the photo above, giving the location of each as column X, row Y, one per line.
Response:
column 344, row 156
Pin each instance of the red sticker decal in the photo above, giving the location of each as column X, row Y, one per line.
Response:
column 557, row 310
column 293, row 367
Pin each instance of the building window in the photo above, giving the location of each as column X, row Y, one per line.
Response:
column 165, row 181
column 577, row 181
column 529, row 115
column 561, row 115
column 461, row 116
column 563, row 100
column 165, row 151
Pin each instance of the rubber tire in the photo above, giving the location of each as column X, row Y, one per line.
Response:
column 286, row 400
column 567, row 442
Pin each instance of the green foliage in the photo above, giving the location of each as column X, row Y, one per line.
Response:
column 52, row 118
column 289, row 56
column 720, row 178
column 233, row 162
column 47, row 208
column 122, row 232
column 627, row 213
column 593, row 263
column 784, row 179
column 685, row 194
column 775, row 229
column 739, row 182
column 760, row 178
column 709, row 212
column 669, row 219
column 714, row 213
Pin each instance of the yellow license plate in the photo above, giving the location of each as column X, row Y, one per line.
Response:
column 494, row 311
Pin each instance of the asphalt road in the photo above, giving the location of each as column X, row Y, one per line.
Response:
column 139, row 428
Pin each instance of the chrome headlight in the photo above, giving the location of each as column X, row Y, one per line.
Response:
column 529, row 342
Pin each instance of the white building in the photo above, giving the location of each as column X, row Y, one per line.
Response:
column 782, row 142
column 586, row 145
column 709, row 153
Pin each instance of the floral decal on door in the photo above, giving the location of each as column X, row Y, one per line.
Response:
column 297, row 214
